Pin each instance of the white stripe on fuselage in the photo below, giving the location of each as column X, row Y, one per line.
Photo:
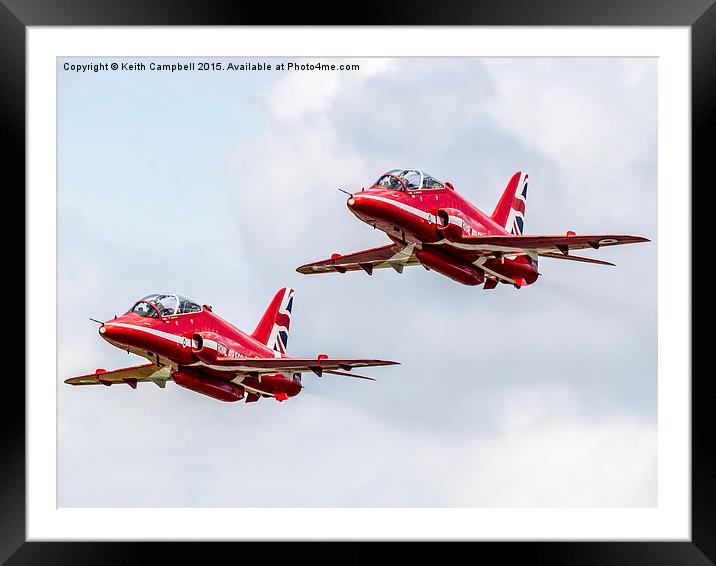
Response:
column 462, row 246
column 211, row 344
column 430, row 218
column 183, row 340
column 416, row 211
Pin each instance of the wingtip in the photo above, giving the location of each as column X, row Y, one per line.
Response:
column 639, row 239
column 307, row 269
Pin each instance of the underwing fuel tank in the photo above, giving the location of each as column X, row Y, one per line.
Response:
column 208, row 385
column 464, row 273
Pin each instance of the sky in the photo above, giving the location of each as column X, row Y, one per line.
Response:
column 217, row 185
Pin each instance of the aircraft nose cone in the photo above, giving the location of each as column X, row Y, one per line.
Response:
column 109, row 331
column 367, row 208
column 357, row 204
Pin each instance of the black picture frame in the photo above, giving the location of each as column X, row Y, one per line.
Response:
column 17, row 15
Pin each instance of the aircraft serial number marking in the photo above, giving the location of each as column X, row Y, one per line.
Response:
column 227, row 352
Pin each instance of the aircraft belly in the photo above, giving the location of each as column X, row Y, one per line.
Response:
column 151, row 356
column 402, row 225
column 203, row 379
column 446, row 247
column 505, row 269
column 214, row 387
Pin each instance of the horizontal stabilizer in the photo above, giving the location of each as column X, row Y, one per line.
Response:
column 348, row 374
column 576, row 258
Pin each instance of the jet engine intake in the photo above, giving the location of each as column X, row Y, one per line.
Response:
column 205, row 346
column 451, row 223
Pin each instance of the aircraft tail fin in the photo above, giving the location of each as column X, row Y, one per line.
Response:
column 510, row 210
column 273, row 327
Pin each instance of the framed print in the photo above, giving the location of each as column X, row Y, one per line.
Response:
column 551, row 412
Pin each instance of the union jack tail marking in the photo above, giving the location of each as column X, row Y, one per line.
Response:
column 510, row 210
column 273, row 327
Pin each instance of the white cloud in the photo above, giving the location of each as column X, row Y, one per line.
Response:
column 302, row 93
column 547, row 455
column 333, row 453
column 578, row 119
column 288, row 174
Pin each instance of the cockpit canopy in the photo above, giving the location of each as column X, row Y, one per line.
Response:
column 161, row 305
column 408, row 180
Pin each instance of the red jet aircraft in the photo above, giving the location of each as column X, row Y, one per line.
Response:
column 431, row 225
column 193, row 347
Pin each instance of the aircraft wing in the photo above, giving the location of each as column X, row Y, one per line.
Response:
column 392, row 255
column 317, row 365
column 544, row 245
column 131, row 376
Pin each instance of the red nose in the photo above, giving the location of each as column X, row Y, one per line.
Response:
column 116, row 333
column 362, row 206
column 109, row 331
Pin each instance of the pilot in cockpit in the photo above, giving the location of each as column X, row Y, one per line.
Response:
column 411, row 178
column 164, row 305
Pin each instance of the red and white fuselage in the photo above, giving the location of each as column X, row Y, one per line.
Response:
column 434, row 221
column 191, row 343
column 431, row 224
column 201, row 351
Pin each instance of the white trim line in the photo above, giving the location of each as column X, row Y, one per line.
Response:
column 183, row 340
